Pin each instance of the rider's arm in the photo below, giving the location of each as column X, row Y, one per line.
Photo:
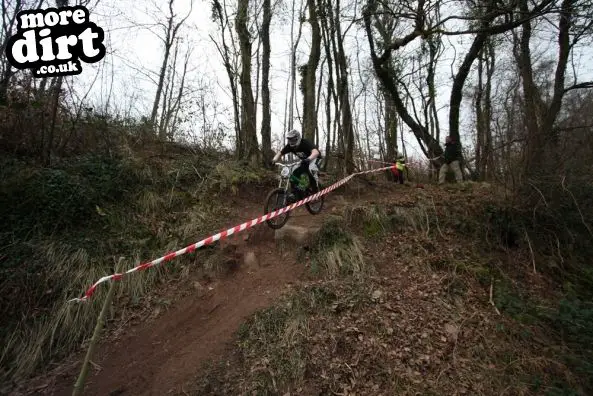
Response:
column 277, row 157
column 285, row 150
column 314, row 150
column 314, row 154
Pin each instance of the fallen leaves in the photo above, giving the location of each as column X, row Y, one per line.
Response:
column 403, row 331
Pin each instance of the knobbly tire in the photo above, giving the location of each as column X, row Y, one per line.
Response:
column 276, row 200
column 314, row 207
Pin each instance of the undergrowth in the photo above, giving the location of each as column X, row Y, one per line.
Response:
column 274, row 348
column 68, row 225
column 275, row 339
column 532, row 331
column 543, row 279
column 336, row 252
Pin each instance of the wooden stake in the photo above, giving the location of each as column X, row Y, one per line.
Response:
column 491, row 300
column 79, row 386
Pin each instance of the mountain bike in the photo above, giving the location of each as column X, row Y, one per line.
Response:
column 281, row 196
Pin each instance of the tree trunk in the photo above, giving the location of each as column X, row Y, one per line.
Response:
column 390, row 127
column 464, row 69
column 323, row 14
column 173, row 111
column 295, row 44
column 530, row 91
column 223, row 21
column 308, row 71
column 168, row 96
column 480, row 119
column 250, row 149
column 433, row 46
column 57, row 90
column 159, row 88
column 266, row 128
column 318, row 96
column 541, row 137
column 564, row 48
column 347, row 130
column 4, row 83
column 487, row 153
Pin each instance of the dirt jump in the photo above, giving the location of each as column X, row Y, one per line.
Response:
column 423, row 314
column 159, row 356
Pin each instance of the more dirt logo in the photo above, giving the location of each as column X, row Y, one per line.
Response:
column 53, row 41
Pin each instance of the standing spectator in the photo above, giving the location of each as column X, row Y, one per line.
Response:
column 400, row 166
column 452, row 160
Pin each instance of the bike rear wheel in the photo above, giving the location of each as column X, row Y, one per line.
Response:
column 274, row 201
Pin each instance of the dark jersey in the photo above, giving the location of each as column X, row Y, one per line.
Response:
column 452, row 152
column 303, row 150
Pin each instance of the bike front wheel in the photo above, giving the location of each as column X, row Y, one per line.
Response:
column 276, row 200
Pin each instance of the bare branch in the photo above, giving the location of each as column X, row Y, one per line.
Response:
column 583, row 85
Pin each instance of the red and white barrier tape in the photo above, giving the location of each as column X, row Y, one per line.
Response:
column 379, row 162
column 387, row 163
column 221, row 235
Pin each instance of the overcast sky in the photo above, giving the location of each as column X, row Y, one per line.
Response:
column 135, row 51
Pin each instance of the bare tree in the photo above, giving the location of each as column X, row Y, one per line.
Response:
column 266, row 127
column 484, row 26
column 390, row 83
column 177, row 87
column 289, row 118
column 47, row 145
column 249, row 135
column 386, row 24
column 219, row 14
column 331, row 95
column 483, row 108
column 170, row 31
column 540, row 114
column 308, row 76
column 346, row 135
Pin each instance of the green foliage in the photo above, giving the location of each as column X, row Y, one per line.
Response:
column 274, row 339
column 64, row 197
column 336, row 251
column 68, row 221
column 575, row 320
column 332, row 233
column 568, row 326
column 511, row 301
column 372, row 220
column 572, row 323
column 227, row 177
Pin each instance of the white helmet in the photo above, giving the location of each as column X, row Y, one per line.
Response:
column 294, row 138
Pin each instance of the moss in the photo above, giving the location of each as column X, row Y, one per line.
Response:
column 336, row 251
column 371, row 220
column 274, row 339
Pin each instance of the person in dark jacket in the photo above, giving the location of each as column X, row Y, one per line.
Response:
column 452, row 161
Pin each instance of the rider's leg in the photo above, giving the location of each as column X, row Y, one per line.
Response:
column 298, row 172
column 313, row 172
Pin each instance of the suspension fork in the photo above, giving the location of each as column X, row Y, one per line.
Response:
column 283, row 183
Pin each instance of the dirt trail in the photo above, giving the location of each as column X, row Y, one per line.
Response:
column 163, row 354
column 158, row 357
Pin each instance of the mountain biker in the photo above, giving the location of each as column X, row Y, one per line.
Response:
column 309, row 154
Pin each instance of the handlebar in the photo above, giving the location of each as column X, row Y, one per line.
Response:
column 291, row 164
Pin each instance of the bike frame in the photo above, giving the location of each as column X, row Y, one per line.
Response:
column 284, row 181
column 286, row 172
